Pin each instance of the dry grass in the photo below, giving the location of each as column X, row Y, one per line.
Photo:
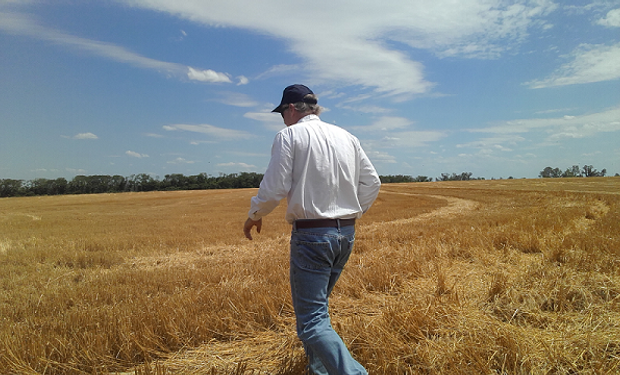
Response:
column 479, row 277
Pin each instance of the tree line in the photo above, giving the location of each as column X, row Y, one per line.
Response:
column 97, row 184
column 465, row 176
column 574, row 171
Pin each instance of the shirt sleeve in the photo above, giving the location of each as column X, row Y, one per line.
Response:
column 369, row 182
column 277, row 180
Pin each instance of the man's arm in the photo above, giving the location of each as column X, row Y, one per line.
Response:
column 369, row 182
column 275, row 184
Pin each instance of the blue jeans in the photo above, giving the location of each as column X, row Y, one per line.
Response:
column 318, row 256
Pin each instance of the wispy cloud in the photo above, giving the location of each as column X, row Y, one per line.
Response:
column 366, row 108
column 134, row 154
column 381, row 157
column 271, row 121
column 590, row 63
column 243, row 166
column 392, row 132
column 235, row 99
column 385, row 123
column 210, row 130
column 75, row 170
column 85, row 136
column 548, row 131
column 180, row 160
column 496, row 143
column 405, row 140
column 17, row 23
column 350, row 42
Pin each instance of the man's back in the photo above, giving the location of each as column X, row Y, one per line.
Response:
column 325, row 170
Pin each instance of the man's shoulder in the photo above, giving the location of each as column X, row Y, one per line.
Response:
column 328, row 126
column 305, row 126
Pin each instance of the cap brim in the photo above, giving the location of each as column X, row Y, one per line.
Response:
column 280, row 108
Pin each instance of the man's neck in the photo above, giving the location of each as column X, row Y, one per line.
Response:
column 297, row 116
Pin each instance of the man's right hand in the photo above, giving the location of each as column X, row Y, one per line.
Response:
column 247, row 227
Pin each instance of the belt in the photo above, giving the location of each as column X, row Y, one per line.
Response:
column 322, row 223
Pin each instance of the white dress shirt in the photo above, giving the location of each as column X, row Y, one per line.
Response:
column 322, row 171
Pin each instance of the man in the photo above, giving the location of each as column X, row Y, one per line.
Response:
column 329, row 182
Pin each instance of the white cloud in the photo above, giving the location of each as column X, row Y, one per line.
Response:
column 207, row 76
column 491, row 144
column 181, row 161
column 20, row 24
column 590, row 63
column 136, row 154
column 380, row 157
column 85, row 136
column 348, row 42
column 76, row 170
column 236, row 99
column 612, row 19
column 549, row 131
column 366, row 108
column 242, row 80
column 271, row 121
column 210, row 130
column 556, row 110
column 386, row 123
column 240, row 165
column 407, row 140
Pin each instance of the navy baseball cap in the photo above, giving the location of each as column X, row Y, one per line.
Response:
column 293, row 94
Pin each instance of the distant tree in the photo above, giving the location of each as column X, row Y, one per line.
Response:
column 423, row 179
column 42, row 186
column 38, row 186
column 78, row 185
column 549, row 172
column 465, row 176
column 117, row 184
column 396, row 178
column 146, row 182
column 11, row 188
column 574, row 171
column 174, row 181
column 589, row 171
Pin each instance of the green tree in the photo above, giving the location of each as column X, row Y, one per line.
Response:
column 465, row 176
column 574, row 171
column 549, row 172
column 11, row 188
column 589, row 171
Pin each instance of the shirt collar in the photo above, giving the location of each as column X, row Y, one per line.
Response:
column 308, row 118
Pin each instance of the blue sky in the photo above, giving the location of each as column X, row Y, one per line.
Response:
column 495, row 88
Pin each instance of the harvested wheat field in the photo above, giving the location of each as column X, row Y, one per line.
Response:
column 472, row 277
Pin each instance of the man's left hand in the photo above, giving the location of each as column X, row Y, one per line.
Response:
column 247, row 227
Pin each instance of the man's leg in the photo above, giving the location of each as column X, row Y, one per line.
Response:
column 313, row 257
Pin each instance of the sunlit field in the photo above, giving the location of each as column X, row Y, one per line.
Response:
column 471, row 277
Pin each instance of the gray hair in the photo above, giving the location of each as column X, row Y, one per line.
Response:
column 309, row 105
